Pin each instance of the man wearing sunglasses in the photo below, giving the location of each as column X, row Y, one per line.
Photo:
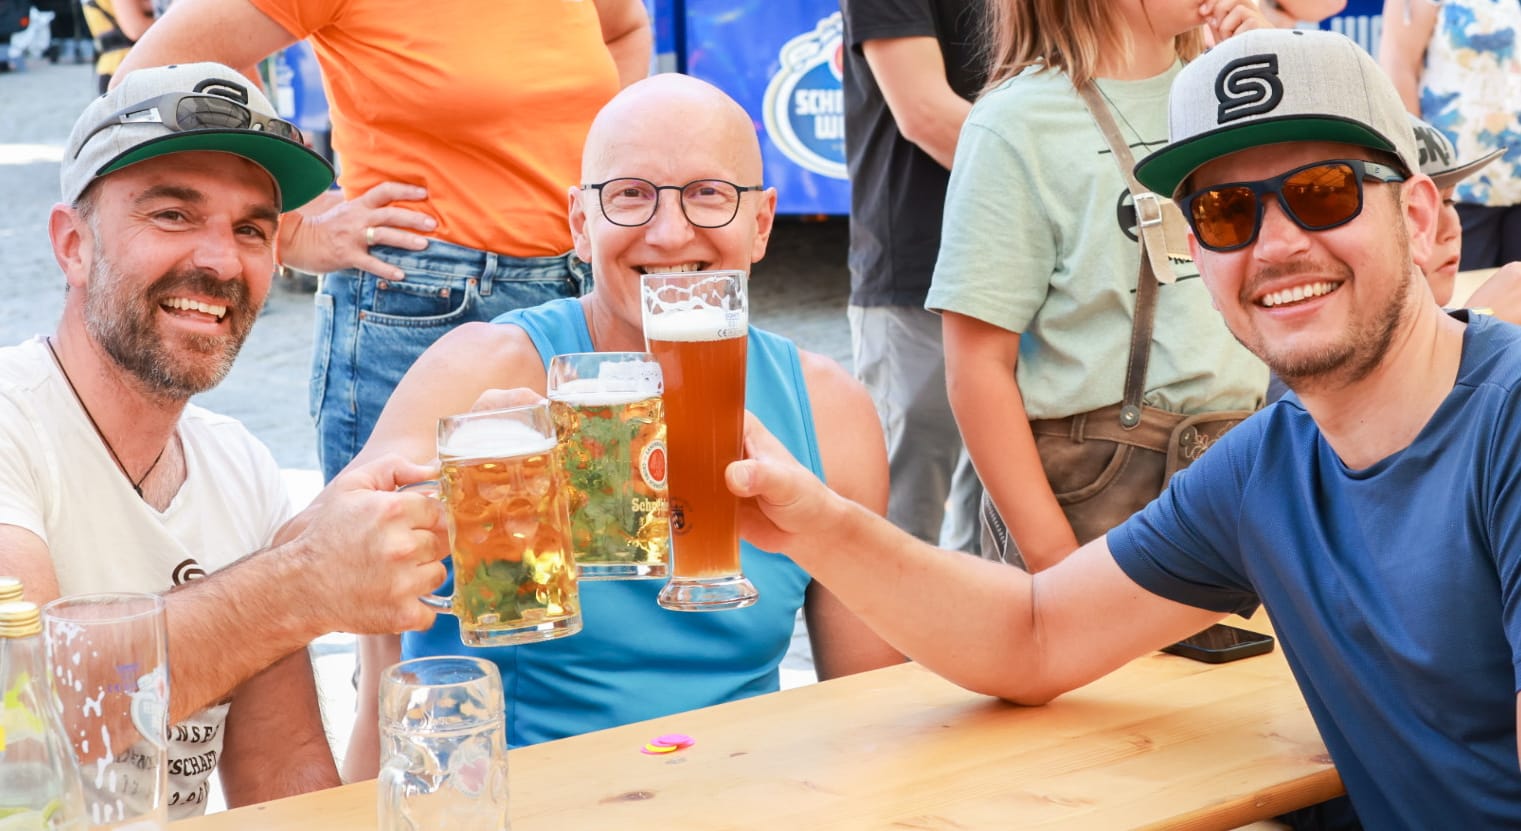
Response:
column 1375, row 511
column 172, row 187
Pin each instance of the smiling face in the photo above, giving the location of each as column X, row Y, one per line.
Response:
column 670, row 130
column 1315, row 306
column 174, row 260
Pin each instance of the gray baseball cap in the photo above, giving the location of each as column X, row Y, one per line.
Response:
column 1269, row 86
column 1439, row 159
column 221, row 110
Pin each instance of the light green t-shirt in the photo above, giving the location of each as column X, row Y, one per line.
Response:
column 1039, row 239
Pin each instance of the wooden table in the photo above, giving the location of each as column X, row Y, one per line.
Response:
column 1164, row 742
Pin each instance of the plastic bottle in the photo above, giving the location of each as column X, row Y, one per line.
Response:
column 39, row 782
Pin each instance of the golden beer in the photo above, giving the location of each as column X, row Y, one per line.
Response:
column 612, row 445
column 504, row 497
column 698, row 331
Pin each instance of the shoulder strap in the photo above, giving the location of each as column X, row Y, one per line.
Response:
column 1154, row 265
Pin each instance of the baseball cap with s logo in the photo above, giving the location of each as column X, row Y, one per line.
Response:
column 1270, row 86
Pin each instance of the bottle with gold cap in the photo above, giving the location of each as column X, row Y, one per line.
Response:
column 39, row 781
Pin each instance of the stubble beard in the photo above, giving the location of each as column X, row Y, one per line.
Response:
column 122, row 321
column 1352, row 357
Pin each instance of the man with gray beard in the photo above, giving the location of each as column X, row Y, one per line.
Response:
column 173, row 185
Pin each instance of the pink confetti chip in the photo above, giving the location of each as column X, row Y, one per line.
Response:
column 675, row 740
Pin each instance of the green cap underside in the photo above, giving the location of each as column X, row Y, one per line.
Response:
column 1164, row 170
column 301, row 174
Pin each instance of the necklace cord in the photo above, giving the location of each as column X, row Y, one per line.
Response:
column 137, row 486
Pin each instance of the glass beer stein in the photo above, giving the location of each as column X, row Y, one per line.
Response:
column 503, row 489
column 443, row 746
column 608, row 415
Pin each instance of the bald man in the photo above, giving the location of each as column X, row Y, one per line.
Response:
column 634, row 660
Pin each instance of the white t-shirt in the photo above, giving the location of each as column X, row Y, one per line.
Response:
column 58, row 481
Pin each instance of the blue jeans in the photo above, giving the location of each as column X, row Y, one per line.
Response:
column 370, row 330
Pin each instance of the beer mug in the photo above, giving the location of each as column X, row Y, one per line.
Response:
column 109, row 657
column 443, row 746
column 607, row 413
column 696, row 324
column 509, row 533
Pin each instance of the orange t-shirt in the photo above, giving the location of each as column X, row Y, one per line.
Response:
column 486, row 105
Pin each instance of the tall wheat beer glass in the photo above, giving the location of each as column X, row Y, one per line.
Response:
column 696, row 324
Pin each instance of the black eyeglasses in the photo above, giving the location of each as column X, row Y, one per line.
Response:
column 1317, row 197
column 188, row 111
column 706, row 203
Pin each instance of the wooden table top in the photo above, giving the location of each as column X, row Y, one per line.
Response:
column 1164, row 742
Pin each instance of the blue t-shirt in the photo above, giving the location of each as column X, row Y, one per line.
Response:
column 633, row 659
column 1396, row 589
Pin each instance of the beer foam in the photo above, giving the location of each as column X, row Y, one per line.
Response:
column 701, row 324
column 597, row 392
column 494, row 438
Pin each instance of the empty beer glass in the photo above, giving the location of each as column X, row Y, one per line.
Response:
column 697, row 326
column 109, row 656
column 509, row 534
column 443, row 746
column 607, row 412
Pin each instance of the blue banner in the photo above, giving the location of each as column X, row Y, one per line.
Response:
column 781, row 60
column 1362, row 21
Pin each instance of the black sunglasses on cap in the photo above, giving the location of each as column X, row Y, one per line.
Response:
column 1317, row 197
column 188, row 111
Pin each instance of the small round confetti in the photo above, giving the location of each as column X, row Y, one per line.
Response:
column 675, row 739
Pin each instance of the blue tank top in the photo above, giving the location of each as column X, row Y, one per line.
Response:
column 634, row 660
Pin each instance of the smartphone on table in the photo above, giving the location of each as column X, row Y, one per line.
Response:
column 1221, row 643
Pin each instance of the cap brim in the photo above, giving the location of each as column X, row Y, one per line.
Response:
column 300, row 173
column 1164, row 171
column 1450, row 178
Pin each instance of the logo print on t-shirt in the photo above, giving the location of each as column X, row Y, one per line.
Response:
column 186, row 571
column 1248, row 86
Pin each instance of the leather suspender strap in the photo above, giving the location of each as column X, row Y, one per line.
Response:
column 1154, row 264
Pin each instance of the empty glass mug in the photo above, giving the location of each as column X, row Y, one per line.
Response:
column 443, row 746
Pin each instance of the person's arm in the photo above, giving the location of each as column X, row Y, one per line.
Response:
column 980, row 359
column 275, row 745
column 362, row 758
column 854, row 456
column 134, row 17
column 199, row 32
column 1408, row 25
column 911, row 74
column 987, row 627
column 626, row 31
column 356, row 560
column 1500, row 294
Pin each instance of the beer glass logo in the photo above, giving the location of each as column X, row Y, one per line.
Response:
column 150, row 704
column 652, row 465
column 804, row 107
column 678, row 517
